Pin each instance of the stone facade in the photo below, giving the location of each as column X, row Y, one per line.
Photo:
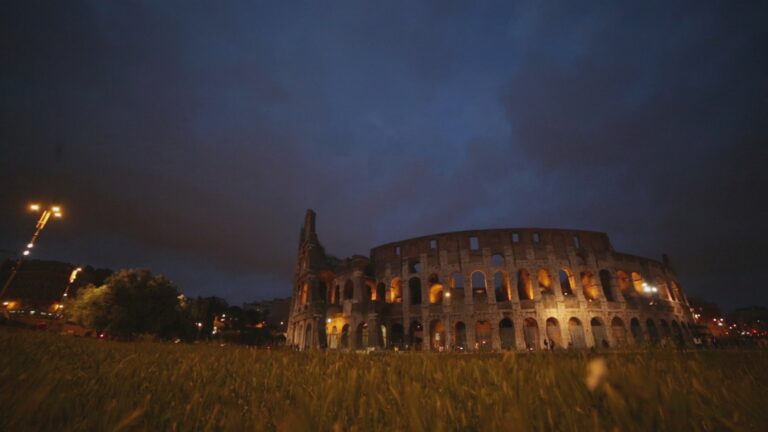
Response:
column 499, row 289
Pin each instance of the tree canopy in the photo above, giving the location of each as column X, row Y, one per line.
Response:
column 131, row 302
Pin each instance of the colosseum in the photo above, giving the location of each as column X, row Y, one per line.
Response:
column 484, row 290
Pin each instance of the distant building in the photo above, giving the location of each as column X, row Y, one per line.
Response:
column 39, row 285
column 498, row 289
column 276, row 311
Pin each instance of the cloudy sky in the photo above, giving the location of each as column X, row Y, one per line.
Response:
column 190, row 137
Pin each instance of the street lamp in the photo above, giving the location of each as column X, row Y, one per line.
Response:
column 72, row 278
column 53, row 210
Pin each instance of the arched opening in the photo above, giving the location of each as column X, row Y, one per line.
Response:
column 545, row 282
column 483, row 336
column 436, row 294
column 362, row 336
column 637, row 330
column 605, row 283
column 414, row 287
column 369, row 292
column 349, row 290
column 653, row 333
column 380, row 291
column 576, row 332
column 322, row 291
column 623, row 282
column 460, row 336
column 308, row 337
column 566, row 281
column 524, row 287
column 333, row 338
column 677, row 334
column 507, row 334
column 397, row 335
column 598, row 333
column 554, row 335
column 437, row 335
column 435, row 290
column 619, row 332
column 396, row 291
column 345, row 336
column 665, row 332
column 337, row 295
column 414, row 266
column 531, row 333
column 497, row 260
column 479, row 292
column 457, row 287
column 591, row 291
column 500, row 287
column 415, row 335
column 637, row 282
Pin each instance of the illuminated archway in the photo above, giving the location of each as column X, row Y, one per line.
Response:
column 396, row 290
column 544, row 282
column 437, row 335
column 554, row 334
column 524, row 286
column 637, row 282
column 566, row 281
column 483, row 336
column 591, row 291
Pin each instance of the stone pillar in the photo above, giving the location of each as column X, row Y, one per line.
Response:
column 374, row 331
column 519, row 333
column 448, row 333
column 495, row 336
column 471, row 334
column 556, row 287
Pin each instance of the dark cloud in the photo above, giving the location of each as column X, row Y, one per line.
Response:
column 191, row 138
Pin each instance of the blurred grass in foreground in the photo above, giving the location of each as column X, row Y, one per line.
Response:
column 50, row 382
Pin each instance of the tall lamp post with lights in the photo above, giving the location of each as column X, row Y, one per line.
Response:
column 52, row 211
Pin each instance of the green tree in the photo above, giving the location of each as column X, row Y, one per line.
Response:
column 132, row 302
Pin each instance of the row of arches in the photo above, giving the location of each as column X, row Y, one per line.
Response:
column 571, row 335
column 605, row 285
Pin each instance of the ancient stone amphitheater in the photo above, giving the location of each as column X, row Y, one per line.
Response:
column 498, row 289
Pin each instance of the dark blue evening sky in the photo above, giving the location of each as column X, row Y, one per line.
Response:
column 190, row 137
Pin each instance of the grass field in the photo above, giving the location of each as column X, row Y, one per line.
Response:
column 50, row 382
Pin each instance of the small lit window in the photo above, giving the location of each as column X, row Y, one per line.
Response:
column 433, row 244
column 576, row 242
column 515, row 237
column 474, row 243
column 536, row 237
column 397, row 250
